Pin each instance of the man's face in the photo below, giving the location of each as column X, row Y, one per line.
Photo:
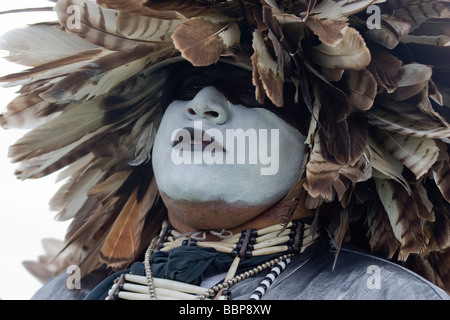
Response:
column 215, row 143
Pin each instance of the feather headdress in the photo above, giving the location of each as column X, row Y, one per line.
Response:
column 374, row 75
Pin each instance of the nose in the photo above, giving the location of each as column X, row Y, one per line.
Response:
column 210, row 104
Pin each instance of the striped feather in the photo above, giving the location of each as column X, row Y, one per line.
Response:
column 442, row 179
column 267, row 76
column 54, row 69
column 408, row 123
column 101, row 75
column 417, row 154
column 92, row 23
column 384, row 165
column 404, row 218
column 146, row 29
column 418, row 12
column 170, row 10
column 320, row 173
column 381, row 237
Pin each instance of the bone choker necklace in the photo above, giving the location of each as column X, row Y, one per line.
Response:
column 283, row 241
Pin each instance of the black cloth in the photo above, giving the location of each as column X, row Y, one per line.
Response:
column 191, row 264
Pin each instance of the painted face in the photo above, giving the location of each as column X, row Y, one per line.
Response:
column 210, row 149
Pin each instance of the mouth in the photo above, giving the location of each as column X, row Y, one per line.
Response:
column 197, row 137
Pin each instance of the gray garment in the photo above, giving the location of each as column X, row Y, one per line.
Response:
column 56, row 288
column 357, row 276
column 309, row 276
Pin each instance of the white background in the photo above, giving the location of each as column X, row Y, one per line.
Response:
column 25, row 218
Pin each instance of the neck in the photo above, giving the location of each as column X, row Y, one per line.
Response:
column 274, row 215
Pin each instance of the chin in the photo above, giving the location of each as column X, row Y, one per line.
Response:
column 209, row 215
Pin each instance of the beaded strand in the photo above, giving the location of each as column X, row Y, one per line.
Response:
column 226, row 285
column 269, row 279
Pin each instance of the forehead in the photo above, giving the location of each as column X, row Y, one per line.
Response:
column 221, row 70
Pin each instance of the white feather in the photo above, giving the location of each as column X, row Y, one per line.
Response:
column 38, row 44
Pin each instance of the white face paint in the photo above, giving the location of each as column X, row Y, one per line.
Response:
column 258, row 172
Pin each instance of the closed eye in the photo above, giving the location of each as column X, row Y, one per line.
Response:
column 191, row 86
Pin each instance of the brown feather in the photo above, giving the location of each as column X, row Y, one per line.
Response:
column 329, row 31
column 442, row 178
column 95, row 24
column 171, row 10
column 319, row 172
column 363, row 89
column 386, row 69
column 440, row 261
column 404, row 218
column 202, row 40
column 122, row 242
column 390, row 31
column 267, row 76
column 56, row 67
column 418, row 12
column 381, row 237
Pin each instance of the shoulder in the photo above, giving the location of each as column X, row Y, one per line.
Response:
column 356, row 275
column 63, row 288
